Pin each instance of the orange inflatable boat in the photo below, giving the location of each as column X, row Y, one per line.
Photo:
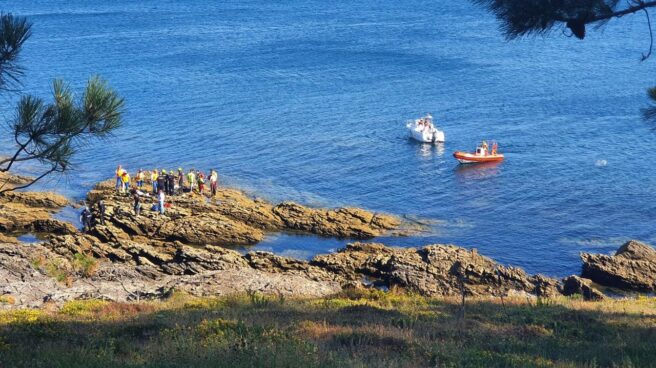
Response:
column 481, row 155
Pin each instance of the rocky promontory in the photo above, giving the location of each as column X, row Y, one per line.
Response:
column 231, row 218
column 128, row 256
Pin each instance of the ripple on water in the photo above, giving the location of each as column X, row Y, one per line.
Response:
column 306, row 102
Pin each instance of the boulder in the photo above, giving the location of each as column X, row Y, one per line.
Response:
column 633, row 267
column 574, row 285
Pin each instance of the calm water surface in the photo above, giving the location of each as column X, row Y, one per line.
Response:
column 305, row 100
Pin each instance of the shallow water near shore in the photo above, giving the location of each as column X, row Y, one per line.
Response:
column 306, row 101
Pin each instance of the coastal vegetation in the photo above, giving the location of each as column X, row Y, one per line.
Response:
column 50, row 133
column 351, row 329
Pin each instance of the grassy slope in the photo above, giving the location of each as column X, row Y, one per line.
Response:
column 355, row 329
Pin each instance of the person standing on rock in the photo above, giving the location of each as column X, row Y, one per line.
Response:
column 161, row 198
column 125, row 178
column 137, row 202
column 161, row 179
column 85, row 219
column 191, row 179
column 140, row 178
column 180, row 180
column 214, row 181
column 101, row 211
column 153, row 181
column 119, row 177
column 201, row 182
column 165, row 182
column 171, row 178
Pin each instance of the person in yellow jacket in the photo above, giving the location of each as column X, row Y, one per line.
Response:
column 153, row 180
column 125, row 178
column 119, row 174
column 191, row 179
column 141, row 176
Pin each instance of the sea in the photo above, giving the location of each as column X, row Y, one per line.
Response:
column 306, row 100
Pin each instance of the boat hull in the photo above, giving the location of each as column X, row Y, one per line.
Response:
column 470, row 158
column 425, row 135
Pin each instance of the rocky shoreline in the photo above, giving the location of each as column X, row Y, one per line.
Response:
column 132, row 257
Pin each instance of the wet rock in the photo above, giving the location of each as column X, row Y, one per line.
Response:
column 633, row 267
column 574, row 285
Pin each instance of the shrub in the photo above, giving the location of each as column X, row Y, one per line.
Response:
column 84, row 264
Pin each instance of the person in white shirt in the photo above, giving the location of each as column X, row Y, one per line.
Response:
column 161, row 201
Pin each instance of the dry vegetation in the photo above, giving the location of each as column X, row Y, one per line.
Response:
column 361, row 328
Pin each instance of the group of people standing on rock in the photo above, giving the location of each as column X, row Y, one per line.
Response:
column 170, row 182
column 164, row 183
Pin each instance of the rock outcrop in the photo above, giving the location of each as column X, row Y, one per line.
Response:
column 433, row 270
column 574, row 285
column 633, row 267
column 31, row 212
column 342, row 222
column 129, row 256
column 232, row 218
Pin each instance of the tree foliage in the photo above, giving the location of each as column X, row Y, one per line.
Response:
column 533, row 17
column 525, row 17
column 50, row 133
column 14, row 31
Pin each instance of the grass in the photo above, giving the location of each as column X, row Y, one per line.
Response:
column 355, row 329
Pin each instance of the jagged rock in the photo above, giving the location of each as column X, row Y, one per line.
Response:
column 342, row 222
column 37, row 199
column 355, row 259
column 633, row 267
column 269, row 262
column 576, row 285
column 13, row 180
column 255, row 212
column 18, row 218
column 433, row 270
column 230, row 218
column 210, row 229
column 31, row 212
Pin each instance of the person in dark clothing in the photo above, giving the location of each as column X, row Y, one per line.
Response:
column 85, row 218
column 171, row 179
column 101, row 211
column 137, row 202
column 166, row 181
column 161, row 180
column 180, row 180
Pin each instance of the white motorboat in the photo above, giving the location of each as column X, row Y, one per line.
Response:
column 424, row 130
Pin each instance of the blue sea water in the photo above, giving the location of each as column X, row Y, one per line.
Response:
column 305, row 100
